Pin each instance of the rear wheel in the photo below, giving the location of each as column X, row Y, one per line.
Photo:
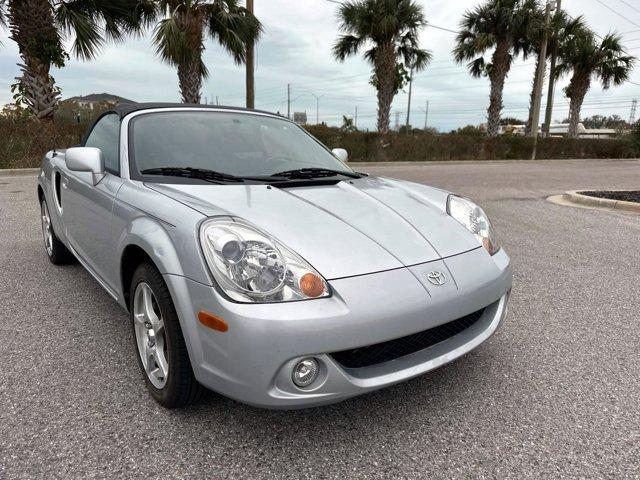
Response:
column 162, row 352
column 56, row 251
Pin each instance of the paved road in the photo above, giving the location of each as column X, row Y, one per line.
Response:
column 555, row 394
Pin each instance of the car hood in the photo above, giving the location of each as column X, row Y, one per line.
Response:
column 351, row 228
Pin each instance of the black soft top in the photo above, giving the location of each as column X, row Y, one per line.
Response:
column 125, row 109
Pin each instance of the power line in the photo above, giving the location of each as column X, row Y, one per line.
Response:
column 442, row 28
column 617, row 13
column 630, row 6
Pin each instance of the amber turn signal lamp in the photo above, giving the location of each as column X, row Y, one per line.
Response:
column 211, row 321
column 311, row 285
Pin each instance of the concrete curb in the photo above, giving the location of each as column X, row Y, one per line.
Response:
column 484, row 162
column 573, row 198
column 18, row 172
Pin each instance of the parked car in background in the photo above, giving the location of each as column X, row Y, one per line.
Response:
column 255, row 262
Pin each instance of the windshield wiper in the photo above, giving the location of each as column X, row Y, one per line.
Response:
column 190, row 172
column 305, row 173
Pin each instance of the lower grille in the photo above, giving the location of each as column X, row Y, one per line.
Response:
column 383, row 352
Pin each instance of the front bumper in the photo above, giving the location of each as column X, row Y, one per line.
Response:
column 253, row 360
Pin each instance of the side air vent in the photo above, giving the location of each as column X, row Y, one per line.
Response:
column 56, row 189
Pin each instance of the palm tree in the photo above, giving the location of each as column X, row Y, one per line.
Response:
column 561, row 29
column 588, row 59
column 504, row 27
column 41, row 28
column 179, row 37
column 389, row 29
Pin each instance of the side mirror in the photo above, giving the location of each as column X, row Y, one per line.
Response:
column 341, row 153
column 86, row 159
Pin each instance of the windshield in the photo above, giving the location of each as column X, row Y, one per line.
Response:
column 238, row 144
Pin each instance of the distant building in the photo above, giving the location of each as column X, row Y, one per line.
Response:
column 562, row 130
column 97, row 99
column 300, row 117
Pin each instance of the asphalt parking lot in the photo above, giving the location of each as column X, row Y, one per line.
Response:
column 554, row 394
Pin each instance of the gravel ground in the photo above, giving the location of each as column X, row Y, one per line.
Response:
column 555, row 394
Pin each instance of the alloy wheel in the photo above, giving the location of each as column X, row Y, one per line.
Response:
column 150, row 335
column 47, row 232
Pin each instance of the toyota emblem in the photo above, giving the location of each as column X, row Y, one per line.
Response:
column 436, row 277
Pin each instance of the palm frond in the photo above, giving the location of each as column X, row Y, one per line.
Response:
column 3, row 13
column 76, row 20
column 171, row 42
column 477, row 67
column 414, row 57
column 347, row 45
column 616, row 65
column 233, row 26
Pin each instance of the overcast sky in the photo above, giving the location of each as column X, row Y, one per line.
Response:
column 296, row 49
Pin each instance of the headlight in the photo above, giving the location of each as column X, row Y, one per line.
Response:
column 475, row 220
column 251, row 266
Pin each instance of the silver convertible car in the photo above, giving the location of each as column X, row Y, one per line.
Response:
column 255, row 262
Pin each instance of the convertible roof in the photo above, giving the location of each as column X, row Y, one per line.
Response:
column 125, row 109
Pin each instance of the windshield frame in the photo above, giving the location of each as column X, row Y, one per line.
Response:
column 128, row 163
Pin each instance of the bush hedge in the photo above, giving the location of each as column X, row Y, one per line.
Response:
column 363, row 147
column 23, row 142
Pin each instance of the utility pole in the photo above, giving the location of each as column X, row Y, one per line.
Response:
column 317, row 97
column 251, row 93
column 426, row 114
column 355, row 122
column 288, row 100
column 217, row 102
column 409, row 100
column 552, row 82
column 634, row 106
column 535, row 122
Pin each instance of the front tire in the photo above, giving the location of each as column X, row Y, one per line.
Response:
column 160, row 346
column 56, row 251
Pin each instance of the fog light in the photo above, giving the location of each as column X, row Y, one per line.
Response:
column 305, row 372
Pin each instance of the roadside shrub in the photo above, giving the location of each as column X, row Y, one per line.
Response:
column 634, row 136
column 363, row 147
column 24, row 141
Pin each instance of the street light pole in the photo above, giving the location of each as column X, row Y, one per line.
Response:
column 426, row 114
column 250, row 65
column 409, row 100
column 317, row 97
column 540, row 80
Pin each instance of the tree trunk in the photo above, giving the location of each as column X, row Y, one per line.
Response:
column 191, row 70
column 190, row 81
column 532, row 97
column 385, row 70
column 576, row 91
column 32, row 27
column 501, row 62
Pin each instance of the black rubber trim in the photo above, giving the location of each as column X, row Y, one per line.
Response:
column 386, row 351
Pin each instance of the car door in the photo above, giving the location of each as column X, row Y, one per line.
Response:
column 88, row 208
